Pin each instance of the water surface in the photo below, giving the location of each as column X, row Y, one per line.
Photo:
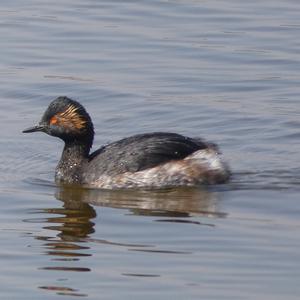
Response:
column 227, row 71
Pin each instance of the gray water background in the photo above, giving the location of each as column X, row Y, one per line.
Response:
column 227, row 71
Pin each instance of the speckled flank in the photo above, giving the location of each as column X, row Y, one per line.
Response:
column 202, row 167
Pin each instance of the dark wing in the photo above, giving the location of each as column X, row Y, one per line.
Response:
column 143, row 151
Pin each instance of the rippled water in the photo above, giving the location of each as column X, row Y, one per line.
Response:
column 224, row 70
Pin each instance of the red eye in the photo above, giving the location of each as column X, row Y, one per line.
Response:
column 53, row 120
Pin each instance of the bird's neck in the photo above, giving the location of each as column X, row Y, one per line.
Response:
column 73, row 159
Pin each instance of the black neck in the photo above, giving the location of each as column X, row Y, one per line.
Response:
column 73, row 159
column 75, row 151
column 82, row 145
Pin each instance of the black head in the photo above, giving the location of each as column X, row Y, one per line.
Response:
column 67, row 119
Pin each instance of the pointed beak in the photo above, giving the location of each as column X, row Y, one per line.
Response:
column 34, row 129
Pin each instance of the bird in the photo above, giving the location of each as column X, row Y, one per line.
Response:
column 149, row 160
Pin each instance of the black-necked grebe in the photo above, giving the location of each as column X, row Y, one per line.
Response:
column 152, row 160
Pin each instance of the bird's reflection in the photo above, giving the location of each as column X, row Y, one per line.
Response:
column 74, row 220
column 73, row 227
column 72, row 224
column 183, row 202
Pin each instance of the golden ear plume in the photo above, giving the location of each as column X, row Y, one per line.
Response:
column 71, row 118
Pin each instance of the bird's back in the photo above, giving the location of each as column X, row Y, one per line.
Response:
column 142, row 152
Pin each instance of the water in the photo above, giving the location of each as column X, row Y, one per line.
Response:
column 224, row 70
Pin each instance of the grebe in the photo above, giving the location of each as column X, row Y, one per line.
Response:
column 151, row 160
